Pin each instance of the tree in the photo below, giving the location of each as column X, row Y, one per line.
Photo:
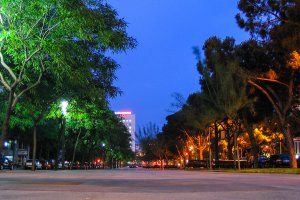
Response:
column 35, row 37
column 147, row 139
column 277, row 24
column 222, row 84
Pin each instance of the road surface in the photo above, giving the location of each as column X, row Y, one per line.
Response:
column 144, row 184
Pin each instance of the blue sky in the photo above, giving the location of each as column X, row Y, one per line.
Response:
column 163, row 62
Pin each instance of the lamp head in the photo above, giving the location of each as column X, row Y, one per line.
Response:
column 64, row 105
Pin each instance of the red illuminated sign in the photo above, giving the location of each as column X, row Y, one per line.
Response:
column 123, row 113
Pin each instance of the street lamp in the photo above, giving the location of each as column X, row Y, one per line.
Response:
column 209, row 146
column 103, row 154
column 63, row 105
column 5, row 144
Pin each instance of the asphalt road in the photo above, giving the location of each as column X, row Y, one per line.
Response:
column 144, row 184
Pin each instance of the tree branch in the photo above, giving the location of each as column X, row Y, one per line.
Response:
column 1, row 19
column 26, row 61
column 47, row 32
column 272, row 80
column 7, row 67
column 273, row 14
column 279, row 102
column 290, row 97
column 268, row 96
column 31, row 28
column 28, row 88
column 5, row 84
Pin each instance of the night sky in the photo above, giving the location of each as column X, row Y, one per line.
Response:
column 163, row 62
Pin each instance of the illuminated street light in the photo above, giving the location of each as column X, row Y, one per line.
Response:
column 64, row 105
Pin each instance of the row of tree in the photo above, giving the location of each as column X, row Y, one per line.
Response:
column 53, row 50
column 245, row 88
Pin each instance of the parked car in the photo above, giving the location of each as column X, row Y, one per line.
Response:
column 28, row 164
column 5, row 163
column 76, row 165
column 283, row 160
column 53, row 163
column 271, row 161
column 262, row 161
column 198, row 164
column 45, row 164
column 133, row 166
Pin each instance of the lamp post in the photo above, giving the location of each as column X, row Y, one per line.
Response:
column 64, row 105
column 209, row 146
column 103, row 154
column 112, row 159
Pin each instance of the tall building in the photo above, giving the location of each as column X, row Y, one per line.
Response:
column 128, row 119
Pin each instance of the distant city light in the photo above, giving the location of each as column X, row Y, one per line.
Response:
column 123, row 113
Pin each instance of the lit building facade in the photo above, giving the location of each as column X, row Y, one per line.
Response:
column 128, row 119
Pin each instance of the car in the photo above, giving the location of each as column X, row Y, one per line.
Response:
column 53, row 164
column 5, row 163
column 28, row 164
column 45, row 164
column 262, row 161
column 283, row 160
column 271, row 161
column 198, row 164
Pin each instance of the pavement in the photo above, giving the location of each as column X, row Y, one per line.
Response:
column 139, row 183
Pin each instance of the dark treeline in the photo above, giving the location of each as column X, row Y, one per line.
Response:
column 248, row 104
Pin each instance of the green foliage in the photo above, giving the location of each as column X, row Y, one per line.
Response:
column 52, row 50
column 222, row 82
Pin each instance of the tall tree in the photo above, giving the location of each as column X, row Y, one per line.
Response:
column 35, row 37
column 277, row 25
column 221, row 81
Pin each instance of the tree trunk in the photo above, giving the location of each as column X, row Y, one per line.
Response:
column 5, row 124
column 75, row 146
column 229, row 149
column 282, row 113
column 234, row 147
column 200, row 148
column 290, row 146
column 57, row 153
column 63, row 149
column 216, row 144
column 254, row 149
column 34, row 147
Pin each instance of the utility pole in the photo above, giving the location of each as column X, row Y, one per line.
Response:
column 209, row 146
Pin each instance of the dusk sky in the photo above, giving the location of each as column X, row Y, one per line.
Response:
column 163, row 62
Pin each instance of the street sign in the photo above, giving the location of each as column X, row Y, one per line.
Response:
column 22, row 152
